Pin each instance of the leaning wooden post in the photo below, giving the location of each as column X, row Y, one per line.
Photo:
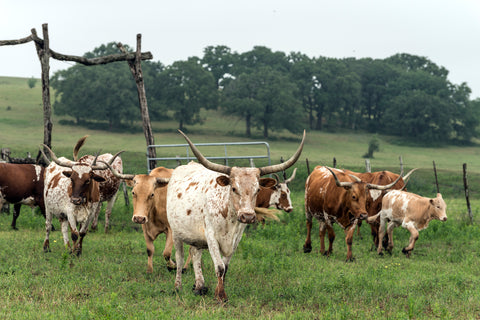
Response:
column 136, row 69
column 43, row 52
column 334, row 162
column 465, row 184
column 283, row 172
column 308, row 166
column 367, row 166
column 436, row 179
column 401, row 163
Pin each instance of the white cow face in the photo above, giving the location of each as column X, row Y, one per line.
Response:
column 244, row 186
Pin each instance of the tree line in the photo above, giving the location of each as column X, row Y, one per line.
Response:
column 403, row 95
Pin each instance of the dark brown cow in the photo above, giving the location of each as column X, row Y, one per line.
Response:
column 331, row 195
column 21, row 184
column 375, row 196
column 149, row 209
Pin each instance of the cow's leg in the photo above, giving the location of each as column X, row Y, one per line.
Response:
column 189, row 259
column 93, row 227
column 167, row 252
column 64, row 228
column 307, row 247
column 331, row 237
column 179, row 257
column 349, row 239
column 413, row 238
column 391, row 225
column 48, row 228
column 220, row 267
column 150, row 250
column 381, row 233
column 108, row 211
column 321, row 234
column 374, row 231
column 16, row 213
column 359, row 234
column 199, row 286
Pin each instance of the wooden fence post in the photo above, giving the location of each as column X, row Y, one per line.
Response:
column 367, row 165
column 334, row 162
column 308, row 166
column 436, row 179
column 465, row 183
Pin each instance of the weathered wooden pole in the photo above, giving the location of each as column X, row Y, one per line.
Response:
column 367, row 166
column 334, row 162
column 136, row 69
column 308, row 166
column 43, row 52
column 436, row 179
column 465, row 184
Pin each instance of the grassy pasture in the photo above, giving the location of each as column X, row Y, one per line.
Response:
column 269, row 277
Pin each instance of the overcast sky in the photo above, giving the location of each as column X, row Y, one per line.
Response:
column 445, row 31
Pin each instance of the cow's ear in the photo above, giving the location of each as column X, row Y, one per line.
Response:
column 67, row 174
column 98, row 178
column 223, row 180
column 129, row 182
column 432, row 202
column 267, row 182
column 160, row 183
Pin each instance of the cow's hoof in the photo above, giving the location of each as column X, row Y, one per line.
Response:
column 380, row 254
column 200, row 292
column 15, row 228
column 170, row 268
column 46, row 249
column 307, row 249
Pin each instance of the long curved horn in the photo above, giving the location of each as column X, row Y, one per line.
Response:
column 67, row 163
column 206, row 163
column 355, row 177
column 98, row 167
column 340, row 184
column 291, row 177
column 385, row 187
column 116, row 173
column 276, row 178
column 287, row 164
column 47, row 161
column 77, row 147
column 406, row 178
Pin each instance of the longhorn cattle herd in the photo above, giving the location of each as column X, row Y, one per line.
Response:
column 208, row 206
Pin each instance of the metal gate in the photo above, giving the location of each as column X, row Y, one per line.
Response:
column 182, row 155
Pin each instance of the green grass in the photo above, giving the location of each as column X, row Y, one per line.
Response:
column 269, row 276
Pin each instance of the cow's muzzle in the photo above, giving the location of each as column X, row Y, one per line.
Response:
column 140, row 219
column 363, row 216
column 247, row 218
column 443, row 219
column 77, row 200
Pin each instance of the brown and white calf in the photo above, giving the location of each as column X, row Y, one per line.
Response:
column 72, row 195
column 149, row 195
column 409, row 210
column 21, row 184
column 209, row 206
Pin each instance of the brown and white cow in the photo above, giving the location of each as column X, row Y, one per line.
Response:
column 72, row 195
column 149, row 195
column 375, row 196
column 208, row 207
column 277, row 196
column 109, row 187
column 411, row 211
column 332, row 195
column 21, row 184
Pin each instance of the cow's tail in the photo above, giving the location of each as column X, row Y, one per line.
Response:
column 77, row 147
column 264, row 213
column 373, row 218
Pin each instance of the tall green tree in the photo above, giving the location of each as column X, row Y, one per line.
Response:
column 266, row 99
column 99, row 93
column 188, row 88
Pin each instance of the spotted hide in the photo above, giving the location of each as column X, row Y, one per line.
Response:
column 209, row 208
column 412, row 212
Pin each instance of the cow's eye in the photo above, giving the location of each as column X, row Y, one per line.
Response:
column 354, row 197
column 234, row 189
column 133, row 193
column 152, row 195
